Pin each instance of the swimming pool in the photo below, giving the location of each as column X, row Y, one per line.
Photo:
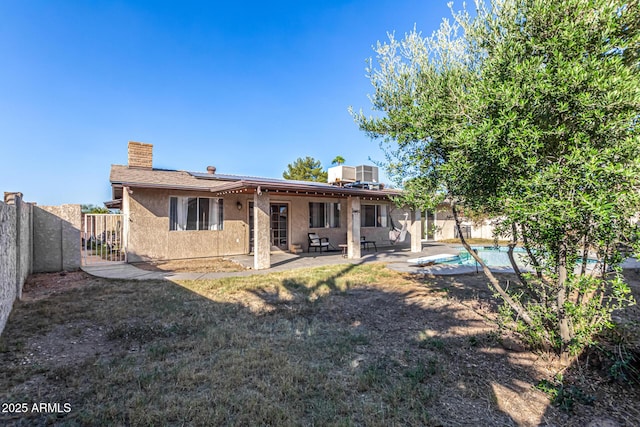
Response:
column 493, row 256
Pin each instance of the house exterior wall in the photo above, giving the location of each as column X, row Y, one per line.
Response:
column 149, row 236
column 299, row 222
column 299, row 219
column 446, row 226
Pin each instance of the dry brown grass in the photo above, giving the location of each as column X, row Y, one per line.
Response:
column 338, row 345
column 198, row 265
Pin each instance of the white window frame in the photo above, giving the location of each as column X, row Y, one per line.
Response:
column 179, row 214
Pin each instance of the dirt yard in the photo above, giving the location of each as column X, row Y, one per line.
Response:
column 201, row 265
column 339, row 345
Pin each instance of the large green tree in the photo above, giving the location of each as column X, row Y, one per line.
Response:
column 528, row 111
column 305, row 169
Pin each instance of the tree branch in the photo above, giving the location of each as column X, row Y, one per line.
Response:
column 516, row 306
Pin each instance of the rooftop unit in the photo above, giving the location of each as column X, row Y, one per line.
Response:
column 341, row 174
column 366, row 173
column 362, row 176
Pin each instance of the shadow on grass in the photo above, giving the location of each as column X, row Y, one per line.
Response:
column 339, row 345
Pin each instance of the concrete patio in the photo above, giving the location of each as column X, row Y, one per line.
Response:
column 396, row 259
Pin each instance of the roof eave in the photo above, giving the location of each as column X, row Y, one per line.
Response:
column 291, row 189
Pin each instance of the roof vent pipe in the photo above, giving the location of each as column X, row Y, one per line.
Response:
column 211, row 170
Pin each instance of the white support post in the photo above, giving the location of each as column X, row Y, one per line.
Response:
column 353, row 228
column 262, row 231
column 416, row 231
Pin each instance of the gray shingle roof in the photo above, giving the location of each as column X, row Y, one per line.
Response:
column 160, row 178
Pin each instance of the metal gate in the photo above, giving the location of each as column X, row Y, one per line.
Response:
column 103, row 239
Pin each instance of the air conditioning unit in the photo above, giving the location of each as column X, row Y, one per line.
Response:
column 366, row 173
column 341, row 174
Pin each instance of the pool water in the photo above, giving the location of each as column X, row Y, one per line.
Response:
column 496, row 257
column 491, row 255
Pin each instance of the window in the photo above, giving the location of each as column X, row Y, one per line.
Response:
column 195, row 213
column 373, row 216
column 324, row 215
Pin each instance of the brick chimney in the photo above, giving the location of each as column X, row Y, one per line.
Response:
column 140, row 155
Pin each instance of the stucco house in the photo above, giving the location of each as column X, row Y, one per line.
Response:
column 174, row 214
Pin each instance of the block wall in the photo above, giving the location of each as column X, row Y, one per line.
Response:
column 56, row 240
column 34, row 239
column 8, row 266
column 15, row 251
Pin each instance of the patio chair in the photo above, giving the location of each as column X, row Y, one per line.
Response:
column 316, row 242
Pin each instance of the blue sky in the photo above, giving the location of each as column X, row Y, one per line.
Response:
column 245, row 86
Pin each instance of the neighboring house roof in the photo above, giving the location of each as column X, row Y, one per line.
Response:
column 219, row 184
